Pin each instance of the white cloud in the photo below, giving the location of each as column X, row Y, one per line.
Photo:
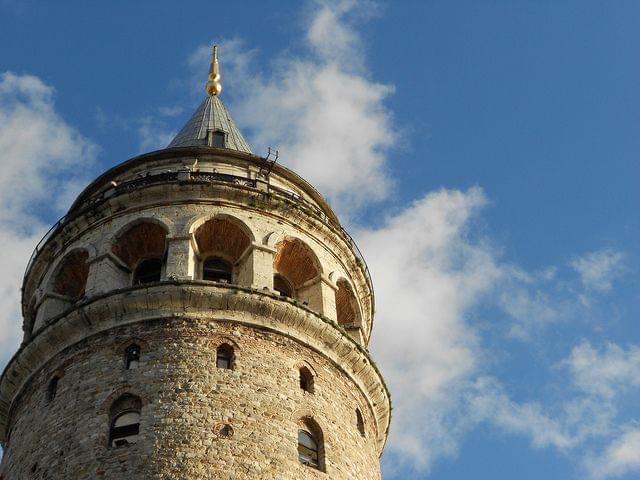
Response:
column 153, row 134
column 606, row 373
column 533, row 301
column 427, row 275
column 326, row 117
column 621, row 457
column 488, row 402
column 430, row 269
column 41, row 153
column 320, row 109
column 598, row 270
column 43, row 158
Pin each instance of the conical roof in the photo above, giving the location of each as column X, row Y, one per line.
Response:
column 211, row 116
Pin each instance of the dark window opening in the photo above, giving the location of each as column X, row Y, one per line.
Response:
column 148, row 271
column 308, row 452
column 359, row 421
column 216, row 138
column 224, row 357
column 132, row 357
column 125, row 429
column 306, row 380
column 124, row 420
column 282, row 286
column 217, row 269
column 226, row 431
column 52, row 389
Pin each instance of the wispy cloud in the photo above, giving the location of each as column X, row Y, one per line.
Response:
column 605, row 373
column 43, row 158
column 154, row 134
column 321, row 108
column 427, row 275
column 431, row 268
column 598, row 270
column 621, row 457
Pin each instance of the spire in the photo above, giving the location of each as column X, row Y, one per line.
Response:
column 214, row 87
column 211, row 124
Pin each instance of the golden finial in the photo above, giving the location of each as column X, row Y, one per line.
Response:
column 214, row 87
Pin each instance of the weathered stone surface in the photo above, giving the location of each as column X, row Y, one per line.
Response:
column 197, row 421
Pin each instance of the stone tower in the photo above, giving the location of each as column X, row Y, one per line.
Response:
column 199, row 313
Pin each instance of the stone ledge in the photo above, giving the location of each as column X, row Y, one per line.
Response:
column 198, row 300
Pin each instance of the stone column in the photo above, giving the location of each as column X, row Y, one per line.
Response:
column 320, row 294
column 181, row 258
column 255, row 267
column 51, row 305
column 106, row 272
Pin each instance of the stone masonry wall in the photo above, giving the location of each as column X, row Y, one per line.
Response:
column 180, row 321
column 185, row 398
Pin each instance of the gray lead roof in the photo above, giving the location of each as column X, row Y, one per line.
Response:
column 211, row 115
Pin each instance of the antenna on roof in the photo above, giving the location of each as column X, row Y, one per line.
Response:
column 270, row 160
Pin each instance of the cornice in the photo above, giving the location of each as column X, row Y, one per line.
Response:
column 198, row 301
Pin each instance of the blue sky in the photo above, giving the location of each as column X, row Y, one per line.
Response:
column 483, row 153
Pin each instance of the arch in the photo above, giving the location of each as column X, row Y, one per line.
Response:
column 298, row 365
column 70, row 276
column 125, row 389
column 271, row 238
column 121, row 346
column 124, row 420
column 311, row 451
column 222, row 235
column 221, row 340
column 197, row 222
column 347, row 308
column 142, row 239
column 295, row 261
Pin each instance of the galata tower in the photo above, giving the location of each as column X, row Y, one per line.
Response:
column 199, row 313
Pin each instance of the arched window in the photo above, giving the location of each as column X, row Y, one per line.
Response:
column 132, row 357
column 222, row 243
column 347, row 310
column 282, row 286
column 359, row 422
column 308, row 450
column 125, row 421
column 52, row 388
column 224, row 357
column 311, row 444
column 296, row 262
column 142, row 247
column 125, row 429
column 217, row 269
column 306, row 380
column 148, row 271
